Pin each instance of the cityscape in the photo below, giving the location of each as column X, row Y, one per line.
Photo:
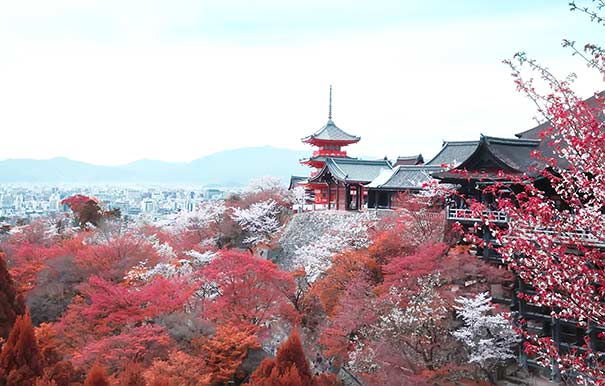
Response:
column 23, row 203
column 318, row 193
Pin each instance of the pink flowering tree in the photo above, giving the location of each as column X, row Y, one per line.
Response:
column 555, row 238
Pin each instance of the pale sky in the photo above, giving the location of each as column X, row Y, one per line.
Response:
column 113, row 81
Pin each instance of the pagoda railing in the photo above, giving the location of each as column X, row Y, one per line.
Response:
column 455, row 214
column 329, row 153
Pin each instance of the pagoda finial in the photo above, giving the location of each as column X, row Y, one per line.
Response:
column 330, row 108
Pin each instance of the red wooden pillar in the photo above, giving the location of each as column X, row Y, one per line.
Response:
column 337, row 195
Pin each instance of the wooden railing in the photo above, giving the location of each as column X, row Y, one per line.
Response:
column 579, row 236
column 329, row 153
column 454, row 214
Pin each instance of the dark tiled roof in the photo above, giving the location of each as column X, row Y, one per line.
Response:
column 409, row 160
column 534, row 133
column 545, row 148
column 405, row 177
column 513, row 152
column 512, row 155
column 353, row 170
column 453, row 153
column 330, row 132
column 295, row 180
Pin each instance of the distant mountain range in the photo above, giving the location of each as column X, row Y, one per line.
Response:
column 225, row 168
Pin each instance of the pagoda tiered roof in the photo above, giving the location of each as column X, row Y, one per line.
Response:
column 330, row 133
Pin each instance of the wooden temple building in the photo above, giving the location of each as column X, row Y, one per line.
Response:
column 344, row 183
column 340, row 182
column 336, row 180
column 483, row 166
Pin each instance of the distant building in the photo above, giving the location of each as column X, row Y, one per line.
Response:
column 413, row 160
column 147, row 206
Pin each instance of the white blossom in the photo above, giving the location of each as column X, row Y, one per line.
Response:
column 489, row 337
column 264, row 184
column 312, row 239
column 207, row 213
column 259, row 221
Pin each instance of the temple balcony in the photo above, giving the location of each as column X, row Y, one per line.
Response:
column 579, row 236
column 467, row 215
column 329, row 153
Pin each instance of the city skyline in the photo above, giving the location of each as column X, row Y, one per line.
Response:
column 109, row 83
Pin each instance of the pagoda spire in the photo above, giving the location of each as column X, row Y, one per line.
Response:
column 330, row 108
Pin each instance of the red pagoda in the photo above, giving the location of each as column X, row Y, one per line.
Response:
column 329, row 142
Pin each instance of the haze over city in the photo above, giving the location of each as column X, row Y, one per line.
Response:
column 110, row 82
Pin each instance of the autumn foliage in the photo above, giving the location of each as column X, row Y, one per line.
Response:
column 11, row 304
column 96, row 377
column 181, row 304
column 20, row 359
column 290, row 367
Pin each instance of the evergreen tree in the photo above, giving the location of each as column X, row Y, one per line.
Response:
column 20, row 359
column 289, row 368
column 96, row 377
column 11, row 304
column 291, row 357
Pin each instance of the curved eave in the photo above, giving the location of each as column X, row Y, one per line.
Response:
column 337, row 174
column 311, row 163
column 396, row 189
column 339, row 142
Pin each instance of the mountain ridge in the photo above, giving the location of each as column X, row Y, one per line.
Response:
column 225, row 168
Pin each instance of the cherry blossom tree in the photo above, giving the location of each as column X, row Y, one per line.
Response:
column 489, row 337
column 312, row 239
column 556, row 229
column 204, row 225
column 555, row 237
column 259, row 221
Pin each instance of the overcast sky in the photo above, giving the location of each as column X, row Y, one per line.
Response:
column 112, row 81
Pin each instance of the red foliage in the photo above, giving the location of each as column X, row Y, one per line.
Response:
column 132, row 376
column 345, row 267
column 113, row 259
column 111, row 307
column 55, row 368
column 251, row 290
column 20, row 360
column 86, row 209
column 225, row 351
column 11, row 304
column 357, row 308
column 28, row 260
column 76, row 202
column 179, row 369
column 290, row 367
column 96, row 377
column 404, row 271
column 140, row 344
